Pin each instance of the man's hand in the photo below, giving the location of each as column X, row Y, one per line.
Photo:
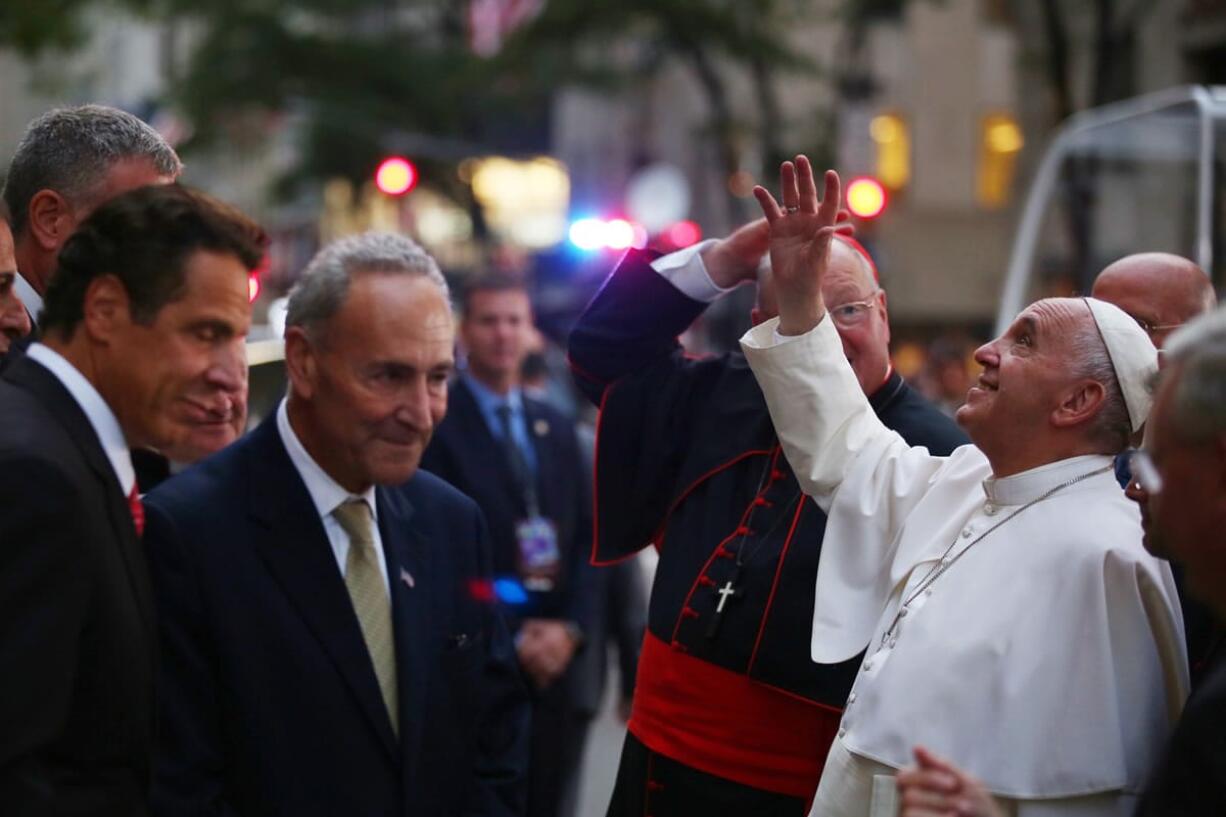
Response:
column 800, row 234
column 937, row 788
column 734, row 260
column 545, row 648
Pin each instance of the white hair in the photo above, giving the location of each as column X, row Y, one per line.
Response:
column 70, row 151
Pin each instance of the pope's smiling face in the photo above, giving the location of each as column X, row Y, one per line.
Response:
column 1026, row 372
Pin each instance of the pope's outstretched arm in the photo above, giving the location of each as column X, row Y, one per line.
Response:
column 821, row 415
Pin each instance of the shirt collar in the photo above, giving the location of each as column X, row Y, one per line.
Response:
column 326, row 493
column 29, row 296
column 489, row 400
column 105, row 424
column 1027, row 486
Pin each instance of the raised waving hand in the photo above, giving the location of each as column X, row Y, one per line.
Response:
column 801, row 229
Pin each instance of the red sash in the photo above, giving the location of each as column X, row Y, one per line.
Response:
column 725, row 724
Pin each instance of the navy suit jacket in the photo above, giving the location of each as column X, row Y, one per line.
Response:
column 465, row 453
column 269, row 702
column 77, row 635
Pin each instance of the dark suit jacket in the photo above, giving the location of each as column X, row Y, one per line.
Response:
column 465, row 453
column 1191, row 776
column 269, row 700
column 77, row 634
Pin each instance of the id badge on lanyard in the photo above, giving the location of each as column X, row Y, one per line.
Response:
column 539, row 559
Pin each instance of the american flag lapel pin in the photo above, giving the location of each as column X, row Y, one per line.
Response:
column 407, row 578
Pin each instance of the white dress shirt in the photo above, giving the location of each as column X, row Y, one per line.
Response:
column 30, row 297
column 685, row 270
column 328, row 495
column 1049, row 662
column 99, row 414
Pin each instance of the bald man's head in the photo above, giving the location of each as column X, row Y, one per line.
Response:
column 1159, row 290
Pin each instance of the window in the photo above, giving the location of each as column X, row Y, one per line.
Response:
column 999, row 143
column 892, row 138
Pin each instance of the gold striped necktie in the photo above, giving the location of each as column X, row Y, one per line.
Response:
column 369, row 595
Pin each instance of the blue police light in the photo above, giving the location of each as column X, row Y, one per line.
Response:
column 510, row 591
column 588, row 234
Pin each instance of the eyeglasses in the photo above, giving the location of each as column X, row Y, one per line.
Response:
column 1151, row 328
column 851, row 314
column 1144, row 472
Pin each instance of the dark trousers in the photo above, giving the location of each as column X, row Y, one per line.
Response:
column 553, row 763
column 652, row 785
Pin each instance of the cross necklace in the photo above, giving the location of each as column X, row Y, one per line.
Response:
column 730, row 589
column 946, row 562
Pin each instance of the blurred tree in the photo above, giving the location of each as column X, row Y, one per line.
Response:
column 32, row 27
column 366, row 76
column 629, row 42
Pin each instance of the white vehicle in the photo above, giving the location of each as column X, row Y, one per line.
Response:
column 1145, row 174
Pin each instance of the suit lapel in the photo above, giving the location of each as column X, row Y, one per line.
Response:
column 61, row 405
column 410, row 577
column 297, row 552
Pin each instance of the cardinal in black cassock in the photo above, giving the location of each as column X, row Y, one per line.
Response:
column 730, row 714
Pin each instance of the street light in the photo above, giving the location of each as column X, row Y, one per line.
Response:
column 395, row 176
column 866, row 197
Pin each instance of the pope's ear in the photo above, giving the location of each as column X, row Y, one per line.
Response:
column 301, row 362
column 1081, row 402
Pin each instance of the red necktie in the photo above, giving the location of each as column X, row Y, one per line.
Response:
column 138, row 511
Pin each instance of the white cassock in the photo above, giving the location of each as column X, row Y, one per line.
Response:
column 1048, row 661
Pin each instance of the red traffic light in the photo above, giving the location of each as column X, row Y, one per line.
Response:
column 683, row 234
column 396, row 176
column 866, row 197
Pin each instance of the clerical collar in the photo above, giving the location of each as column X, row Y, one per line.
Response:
column 1029, row 485
column 887, row 391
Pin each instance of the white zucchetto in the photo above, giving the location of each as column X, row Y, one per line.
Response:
column 1132, row 354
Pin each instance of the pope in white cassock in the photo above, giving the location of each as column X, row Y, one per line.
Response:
column 1014, row 622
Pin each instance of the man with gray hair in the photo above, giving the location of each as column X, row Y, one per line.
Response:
column 1014, row 622
column 330, row 642
column 68, row 162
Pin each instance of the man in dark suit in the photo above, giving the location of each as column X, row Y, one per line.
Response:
column 330, row 645
column 148, row 302
column 519, row 459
